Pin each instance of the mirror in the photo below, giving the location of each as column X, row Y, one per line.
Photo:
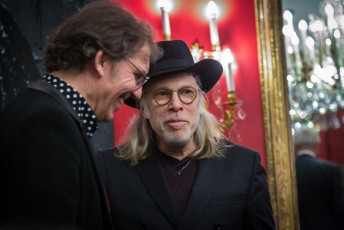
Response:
column 278, row 147
column 278, row 123
column 314, row 45
column 313, row 32
column 280, row 162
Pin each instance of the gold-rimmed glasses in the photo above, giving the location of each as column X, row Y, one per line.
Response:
column 186, row 95
column 140, row 77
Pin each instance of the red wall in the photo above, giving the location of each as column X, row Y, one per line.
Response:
column 237, row 31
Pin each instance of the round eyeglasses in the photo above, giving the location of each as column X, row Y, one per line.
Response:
column 140, row 77
column 186, row 95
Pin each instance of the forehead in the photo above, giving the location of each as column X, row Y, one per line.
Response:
column 173, row 81
column 141, row 58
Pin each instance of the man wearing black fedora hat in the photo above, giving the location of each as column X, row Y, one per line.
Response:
column 175, row 170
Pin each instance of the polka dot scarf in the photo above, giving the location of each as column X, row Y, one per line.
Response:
column 79, row 104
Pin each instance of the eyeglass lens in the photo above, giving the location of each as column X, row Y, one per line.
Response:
column 186, row 95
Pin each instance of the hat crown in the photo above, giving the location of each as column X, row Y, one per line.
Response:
column 177, row 56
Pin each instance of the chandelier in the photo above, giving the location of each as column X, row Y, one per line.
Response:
column 315, row 66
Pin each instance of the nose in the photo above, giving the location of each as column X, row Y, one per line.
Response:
column 137, row 93
column 175, row 103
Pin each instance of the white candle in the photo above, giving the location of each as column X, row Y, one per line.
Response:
column 310, row 45
column 331, row 21
column 212, row 13
column 303, row 32
column 303, row 29
column 214, row 34
column 227, row 61
column 165, row 6
column 295, row 44
column 166, row 24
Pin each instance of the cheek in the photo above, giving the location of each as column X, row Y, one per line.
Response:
column 194, row 115
column 155, row 117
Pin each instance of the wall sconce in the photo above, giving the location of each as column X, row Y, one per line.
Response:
column 225, row 56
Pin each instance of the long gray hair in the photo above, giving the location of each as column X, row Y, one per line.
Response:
column 140, row 136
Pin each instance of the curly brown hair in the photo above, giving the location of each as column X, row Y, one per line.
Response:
column 100, row 25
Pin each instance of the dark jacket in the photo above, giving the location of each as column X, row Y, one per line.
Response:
column 47, row 171
column 320, row 194
column 228, row 193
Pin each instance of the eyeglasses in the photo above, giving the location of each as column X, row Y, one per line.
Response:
column 186, row 95
column 140, row 77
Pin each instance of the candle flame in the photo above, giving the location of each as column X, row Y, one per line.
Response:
column 288, row 16
column 212, row 11
column 336, row 33
column 166, row 5
column 227, row 56
column 329, row 10
column 317, row 26
column 303, row 25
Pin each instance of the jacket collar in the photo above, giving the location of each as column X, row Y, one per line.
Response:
column 207, row 178
column 45, row 87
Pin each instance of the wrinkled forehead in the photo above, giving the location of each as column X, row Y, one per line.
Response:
column 171, row 81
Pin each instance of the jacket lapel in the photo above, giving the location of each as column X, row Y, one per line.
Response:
column 152, row 177
column 48, row 89
column 207, row 179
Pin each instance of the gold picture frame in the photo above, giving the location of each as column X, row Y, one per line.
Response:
column 278, row 147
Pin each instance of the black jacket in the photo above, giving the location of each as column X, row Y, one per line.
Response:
column 320, row 194
column 47, row 170
column 228, row 193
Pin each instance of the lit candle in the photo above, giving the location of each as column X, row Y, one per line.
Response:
column 288, row 30
column 331, row 21
column 319, row 28
column 227, row 61
column 212, row 13
column 303, row 31
column 295, row 44
column 310, row 45
column 164, row 6
column 288, row 17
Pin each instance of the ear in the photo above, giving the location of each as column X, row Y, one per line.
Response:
column 99, row 61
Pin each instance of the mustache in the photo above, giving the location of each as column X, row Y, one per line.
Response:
column 173, row 118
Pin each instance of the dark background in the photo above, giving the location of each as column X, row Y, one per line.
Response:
column 25, row 26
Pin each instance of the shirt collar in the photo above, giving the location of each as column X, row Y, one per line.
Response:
column 306, row 152
column 79, row 104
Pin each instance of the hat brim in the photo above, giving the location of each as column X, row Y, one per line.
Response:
column 208, row 70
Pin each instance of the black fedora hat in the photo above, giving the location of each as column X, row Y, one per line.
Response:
column 177, row 58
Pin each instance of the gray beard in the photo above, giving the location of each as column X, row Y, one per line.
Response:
column 178, row 142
